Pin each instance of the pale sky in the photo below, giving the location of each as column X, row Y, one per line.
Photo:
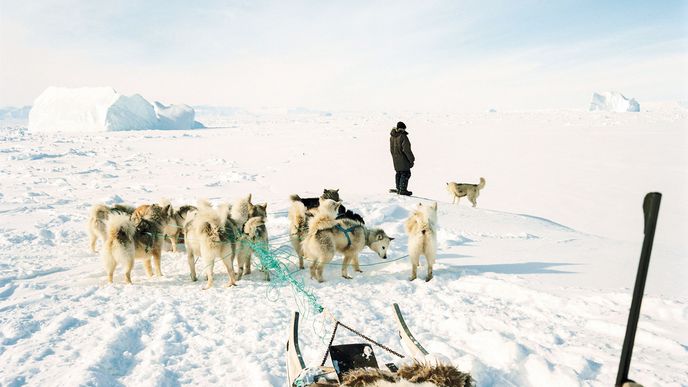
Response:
column 349, row 55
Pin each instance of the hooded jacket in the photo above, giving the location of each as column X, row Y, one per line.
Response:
column 400, row 147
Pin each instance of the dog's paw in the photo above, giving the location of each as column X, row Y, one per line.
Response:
column 359, row 271
column 428, row 278
column 194, row 279
column 347, row 276
column 230, row 284
column 412, row 278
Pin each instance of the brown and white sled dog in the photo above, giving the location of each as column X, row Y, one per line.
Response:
column 98, row 219
column 459, row 190
column 163, row 214
column 421, row 228
column 127, row 241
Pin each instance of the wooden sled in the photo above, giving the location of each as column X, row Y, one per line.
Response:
column 296, row 366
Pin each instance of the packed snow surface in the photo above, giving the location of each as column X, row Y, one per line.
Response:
column 613, row 102
column 100, row 109
column 531, row 288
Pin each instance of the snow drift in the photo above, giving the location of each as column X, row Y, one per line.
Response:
column 613, row 102
column 98, row 109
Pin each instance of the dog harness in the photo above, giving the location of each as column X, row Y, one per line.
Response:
column 346, row 232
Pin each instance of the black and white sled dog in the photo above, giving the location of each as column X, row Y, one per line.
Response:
column 318, row 235
column 471, row 191
column 313, row 203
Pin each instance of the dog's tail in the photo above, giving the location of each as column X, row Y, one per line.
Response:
column 295, row 198
column 297, row 215
column 481, row 185
column 99, row 216
column 120, row 229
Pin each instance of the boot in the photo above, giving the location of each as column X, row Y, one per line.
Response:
column 397, row 178
column 403, row 185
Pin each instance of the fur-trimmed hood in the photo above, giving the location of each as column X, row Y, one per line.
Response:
column 396, row 132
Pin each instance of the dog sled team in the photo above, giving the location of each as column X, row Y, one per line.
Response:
column 228, row 233
column 320, row 228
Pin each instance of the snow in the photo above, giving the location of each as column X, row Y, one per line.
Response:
column 98, row 109
column 613, row 102
column 532, row 288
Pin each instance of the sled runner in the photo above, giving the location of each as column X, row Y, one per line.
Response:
column 345, row 357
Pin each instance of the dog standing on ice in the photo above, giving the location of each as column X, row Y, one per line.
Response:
column 213, row 234
column 128, row 240
column 319, row 244
column 350, row 235
column 459, row 190
column 421, row 228
column 98, row 219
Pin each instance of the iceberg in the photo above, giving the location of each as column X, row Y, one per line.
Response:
column 613, row 102
column 102, row 109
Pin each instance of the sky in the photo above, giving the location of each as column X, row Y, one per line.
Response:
column 349, row 55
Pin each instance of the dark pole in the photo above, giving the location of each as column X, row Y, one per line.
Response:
column 651, row 210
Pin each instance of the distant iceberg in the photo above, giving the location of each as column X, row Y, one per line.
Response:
column 613, row 102
column 102, row 109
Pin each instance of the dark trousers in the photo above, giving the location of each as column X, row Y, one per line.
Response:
column 402, row 178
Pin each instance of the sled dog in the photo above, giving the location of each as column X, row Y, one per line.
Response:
column 421, row 228
column 213, row 234
column 254, row 237
column 98, row 219
column 348, row 233
column 459, row 190
column 205, row 235
column 128, row 240
column 313, row 203
column 351, row 236
column 175, row 231
column 319, row 245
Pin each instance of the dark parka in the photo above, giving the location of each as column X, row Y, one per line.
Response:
column 400, row 147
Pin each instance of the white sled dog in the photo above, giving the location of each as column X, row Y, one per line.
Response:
column 421, row 228
column 319, row 243
column 213, row 234
column 459, row 190
column 128, row 240
column 98, row 219
column 348, row 233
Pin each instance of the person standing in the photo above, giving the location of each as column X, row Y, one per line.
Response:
column 402, row 156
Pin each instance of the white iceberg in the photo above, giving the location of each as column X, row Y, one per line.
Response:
column 611, row 101
column 100, row 109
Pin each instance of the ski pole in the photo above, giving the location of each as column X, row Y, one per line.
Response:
column 651, row 211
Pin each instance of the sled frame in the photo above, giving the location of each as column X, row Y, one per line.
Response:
column 410, row 344
column 295, row 363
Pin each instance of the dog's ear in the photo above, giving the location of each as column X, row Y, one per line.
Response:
column 390, row 238
column 249, row 198
column 336, row 190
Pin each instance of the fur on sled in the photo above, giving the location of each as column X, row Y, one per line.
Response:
column 412, row 375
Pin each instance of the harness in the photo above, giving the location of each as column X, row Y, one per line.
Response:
column 346, row 232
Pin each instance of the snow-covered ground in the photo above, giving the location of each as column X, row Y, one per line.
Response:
column 532, row 288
